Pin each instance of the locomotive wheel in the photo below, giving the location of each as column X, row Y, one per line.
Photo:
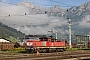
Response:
column 40, row 50
column 61, row 50
column 31, row 51
column 27, row 51
column 50, row 50
column 44, row 50
column 57, row 50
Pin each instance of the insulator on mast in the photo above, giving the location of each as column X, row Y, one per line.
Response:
column 45, row 12
column 9, row 15
column 67, row 10
column 25, row 14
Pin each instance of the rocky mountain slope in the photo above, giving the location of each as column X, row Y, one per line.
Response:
column 75, row 12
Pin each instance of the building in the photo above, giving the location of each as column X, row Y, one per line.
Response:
column 82, row 41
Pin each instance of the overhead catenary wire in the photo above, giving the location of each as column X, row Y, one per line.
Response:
column 41, row 4
column 49, row 5
column 65, row 5
column 33, row 3
column 61, row 3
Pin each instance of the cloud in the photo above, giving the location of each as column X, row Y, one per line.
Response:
column 29, row 24
column 38, row 24
column 3, row 0
column 85, row 22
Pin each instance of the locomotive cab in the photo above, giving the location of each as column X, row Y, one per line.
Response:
column 43, row 38
column 49, row 39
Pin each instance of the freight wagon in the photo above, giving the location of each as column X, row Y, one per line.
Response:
column 44, row 44
column 6, row 45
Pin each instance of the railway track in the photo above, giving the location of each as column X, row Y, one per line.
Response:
column 55, row 57
column 48, row 56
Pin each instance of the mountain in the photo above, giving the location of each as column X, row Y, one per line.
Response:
column 56, row 11
column 33, row 9
column 75, row 12
column 79, row 12
column 10, row 33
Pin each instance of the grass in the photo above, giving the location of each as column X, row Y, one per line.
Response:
column 19, row 50
column 16, row 50
column 72, row 49
column 78, row 49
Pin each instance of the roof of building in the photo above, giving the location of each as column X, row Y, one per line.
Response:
column 3, row 40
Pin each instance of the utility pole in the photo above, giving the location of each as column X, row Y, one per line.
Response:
column 69, row 22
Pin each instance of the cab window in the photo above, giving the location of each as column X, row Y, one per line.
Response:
column 52, row 40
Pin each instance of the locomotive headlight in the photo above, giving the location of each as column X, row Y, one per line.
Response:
column 29, row 44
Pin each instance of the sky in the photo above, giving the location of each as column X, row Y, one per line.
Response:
column 48, row 3
column 20, row 22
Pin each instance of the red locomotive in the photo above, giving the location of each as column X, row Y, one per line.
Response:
column 44, row 44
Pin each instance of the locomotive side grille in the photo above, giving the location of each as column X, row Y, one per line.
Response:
column 44, row 43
